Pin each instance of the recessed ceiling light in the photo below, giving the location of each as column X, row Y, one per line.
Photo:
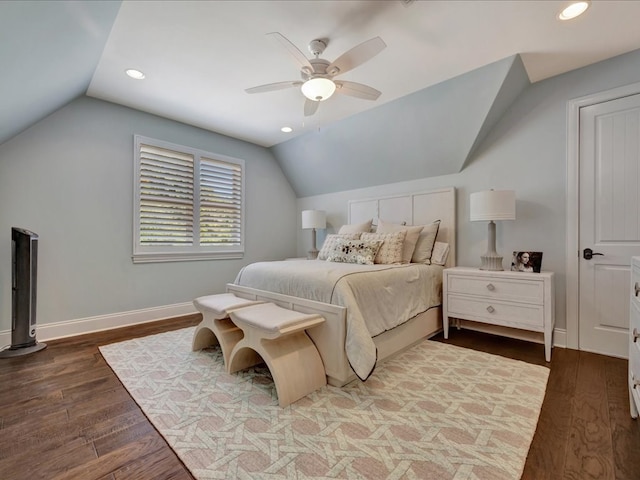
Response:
column 133, row 73
column 286, row 129
column 573, row 10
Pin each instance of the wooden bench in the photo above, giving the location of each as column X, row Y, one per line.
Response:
column 216, row 327
column 278, row 336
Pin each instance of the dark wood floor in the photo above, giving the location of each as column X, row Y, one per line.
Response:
column 65, row 415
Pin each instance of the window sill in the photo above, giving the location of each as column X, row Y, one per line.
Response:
column 185, row 257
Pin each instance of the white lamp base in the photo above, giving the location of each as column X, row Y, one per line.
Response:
column 491, row 260
column 313, row 253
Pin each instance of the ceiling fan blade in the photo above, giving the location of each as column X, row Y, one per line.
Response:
column 356, row 56
column 359, row 90
column 270, row 87
column 300, row 58
column 310, row 107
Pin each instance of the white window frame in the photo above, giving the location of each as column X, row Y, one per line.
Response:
column 174, row 253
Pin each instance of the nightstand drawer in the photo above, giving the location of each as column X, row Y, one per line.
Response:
column 530, row 291
column 497, row 312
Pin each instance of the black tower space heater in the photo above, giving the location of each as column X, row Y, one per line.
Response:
column 24, row 261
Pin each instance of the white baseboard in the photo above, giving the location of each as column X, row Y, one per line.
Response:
column 69, row 328
column 560, row 337
column 559, row 334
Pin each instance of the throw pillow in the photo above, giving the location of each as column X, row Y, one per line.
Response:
column 440, row 253
column 391, row 248
column 424, row 245
column 410, row 240
column 354, row 251
column 356, row 227
column 331, row 241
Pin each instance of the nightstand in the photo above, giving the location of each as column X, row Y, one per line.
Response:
column 509, row 299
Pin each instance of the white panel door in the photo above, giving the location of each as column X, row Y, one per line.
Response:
column 609, row 221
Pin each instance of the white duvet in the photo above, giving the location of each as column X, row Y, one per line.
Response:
column 377, row 297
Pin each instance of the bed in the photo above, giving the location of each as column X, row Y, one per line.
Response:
column 372, row 312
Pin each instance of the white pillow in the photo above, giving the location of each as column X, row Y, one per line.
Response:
column 424, row 245
column 356, row 227
column 410, row 240
column 440, row 253
column 391, row 248
column 332, row 240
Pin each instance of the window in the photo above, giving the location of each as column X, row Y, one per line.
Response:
column 188, row 204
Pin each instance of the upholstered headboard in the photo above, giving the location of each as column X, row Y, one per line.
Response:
column 413, row 209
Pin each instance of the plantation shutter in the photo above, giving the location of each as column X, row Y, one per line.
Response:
column 166, row 197
column 188, row 203
column 220, row 202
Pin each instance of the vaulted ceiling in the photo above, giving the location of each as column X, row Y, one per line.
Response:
column 199, row 57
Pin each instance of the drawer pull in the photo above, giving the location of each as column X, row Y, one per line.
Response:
column 636, row 287
column 491, row 288
column 490, row 309
column 635, row 335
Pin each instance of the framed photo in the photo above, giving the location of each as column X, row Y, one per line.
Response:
column 526, row 262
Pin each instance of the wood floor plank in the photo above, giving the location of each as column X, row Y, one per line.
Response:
column 34, row 419
column 544, row 463
column 153, row 466
column 47, row 436
column 106, row 403
column 32, row 406
column 115, row 460
column 52, row 383
column 590, row 448
column 625, row 434
column 47, row 464
column 94, row 431
column 109, row 443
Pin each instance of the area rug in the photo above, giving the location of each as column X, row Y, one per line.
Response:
column 434, row 412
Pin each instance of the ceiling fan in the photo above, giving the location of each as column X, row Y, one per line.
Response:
column 317, row 74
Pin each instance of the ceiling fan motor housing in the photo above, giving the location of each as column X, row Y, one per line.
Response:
column 317, row 46
column 319, row 69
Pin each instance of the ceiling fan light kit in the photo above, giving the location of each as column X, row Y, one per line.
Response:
column 317, row 74
column 318, row 88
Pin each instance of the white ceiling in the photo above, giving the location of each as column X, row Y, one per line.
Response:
column 199, row 56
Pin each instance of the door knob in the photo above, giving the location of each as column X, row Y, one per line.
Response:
column 588, row 254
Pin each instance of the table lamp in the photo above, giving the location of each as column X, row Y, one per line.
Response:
column 313, row 219
column 489, row 206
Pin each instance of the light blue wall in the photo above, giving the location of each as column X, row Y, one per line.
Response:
column 526, row 151
column 69, row 178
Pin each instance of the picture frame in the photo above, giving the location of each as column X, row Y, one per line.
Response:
column 526, row 261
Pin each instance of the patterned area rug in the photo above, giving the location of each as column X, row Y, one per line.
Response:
column 435, row 412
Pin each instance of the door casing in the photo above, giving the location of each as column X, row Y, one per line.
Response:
column 573, row 202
